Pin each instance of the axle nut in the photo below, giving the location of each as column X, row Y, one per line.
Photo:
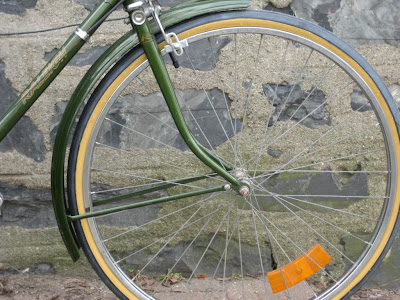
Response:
column 244, row 191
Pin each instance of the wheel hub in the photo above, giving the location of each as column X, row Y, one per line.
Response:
column 245, row 182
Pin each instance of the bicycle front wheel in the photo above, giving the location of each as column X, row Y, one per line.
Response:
column 283, row 105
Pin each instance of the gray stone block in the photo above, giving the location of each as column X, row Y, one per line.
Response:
column 292, row 103
column 27, row 208
column 16, row 7
column 150, row 116
column 332, row 187
column 202, row 56
column 358, row 22
column 88, row 4
column 81, row 59
column 284, row 10
column 25, row 136
column 211, row 251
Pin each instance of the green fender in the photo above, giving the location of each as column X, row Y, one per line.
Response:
column 173, row 16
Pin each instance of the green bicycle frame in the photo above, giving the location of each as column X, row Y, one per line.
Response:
column 126, row 43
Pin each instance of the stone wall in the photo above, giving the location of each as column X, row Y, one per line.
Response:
column 25, row 155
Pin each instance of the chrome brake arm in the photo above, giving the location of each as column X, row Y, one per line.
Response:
column 174, row 44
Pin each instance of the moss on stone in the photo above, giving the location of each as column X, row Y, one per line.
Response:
column 22, row 248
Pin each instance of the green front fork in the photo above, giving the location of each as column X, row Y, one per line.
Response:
column 222, row 168
column 153, row 53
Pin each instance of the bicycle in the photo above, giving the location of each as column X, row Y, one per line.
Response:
column 258, row 170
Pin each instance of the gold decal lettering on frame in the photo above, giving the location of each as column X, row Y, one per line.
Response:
column 53, row 64
column 145, row 38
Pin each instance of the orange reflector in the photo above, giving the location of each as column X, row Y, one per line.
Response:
column 299, row 269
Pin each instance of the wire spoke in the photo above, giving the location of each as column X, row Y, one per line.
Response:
column 315, row 216
column 284, row 131
column 162, row 217
column 157, row 161
column 332, row 160
column 292, row 242
column 146, row 178
column 225, row 100
column 188, row 154
column 173, row 234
